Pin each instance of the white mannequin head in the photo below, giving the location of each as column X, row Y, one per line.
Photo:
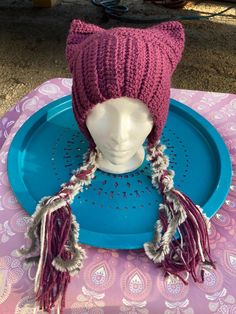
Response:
column 119, row 128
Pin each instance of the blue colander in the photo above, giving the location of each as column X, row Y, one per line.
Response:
column 117, row 210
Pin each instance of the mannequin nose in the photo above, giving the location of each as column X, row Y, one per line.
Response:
column 119, row 132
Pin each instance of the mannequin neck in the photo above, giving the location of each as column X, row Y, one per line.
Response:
column 131, row 165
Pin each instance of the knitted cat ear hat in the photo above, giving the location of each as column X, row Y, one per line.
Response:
column 105, row 64
column 136, row 63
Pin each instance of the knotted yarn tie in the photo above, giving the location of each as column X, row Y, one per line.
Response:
column 54, row 232
column 177, row 214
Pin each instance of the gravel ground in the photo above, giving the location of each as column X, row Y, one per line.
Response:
column 33, row 44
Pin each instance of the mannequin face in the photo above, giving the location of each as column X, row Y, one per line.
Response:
column 119, row 128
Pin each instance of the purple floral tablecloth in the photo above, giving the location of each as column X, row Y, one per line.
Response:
column 121, row 281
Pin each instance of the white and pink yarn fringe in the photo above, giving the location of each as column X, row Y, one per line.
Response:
column 54, row 232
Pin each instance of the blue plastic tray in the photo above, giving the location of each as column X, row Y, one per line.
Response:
column 117, row 211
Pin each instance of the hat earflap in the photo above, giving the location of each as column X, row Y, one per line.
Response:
column 54, row 234
column 79, row 31
column 177, row 214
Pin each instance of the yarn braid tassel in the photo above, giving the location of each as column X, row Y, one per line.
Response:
column 180, row 242
column 54, row 234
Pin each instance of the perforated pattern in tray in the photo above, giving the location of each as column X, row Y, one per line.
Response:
column 116, row 210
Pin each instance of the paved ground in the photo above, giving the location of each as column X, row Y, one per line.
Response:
column 33, row 44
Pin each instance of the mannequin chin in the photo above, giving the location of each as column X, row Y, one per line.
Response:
column 119, row 166
column 119, row 128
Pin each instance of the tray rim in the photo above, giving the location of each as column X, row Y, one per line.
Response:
column 216, row 199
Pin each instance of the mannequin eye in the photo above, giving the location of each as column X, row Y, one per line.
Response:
column 98, row 113
column 142, row 116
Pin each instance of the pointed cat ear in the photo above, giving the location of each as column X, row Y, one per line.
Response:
column 171, row 35
column 78, row 32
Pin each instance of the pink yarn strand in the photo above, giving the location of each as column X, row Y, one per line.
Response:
column 190, row 229
column 192, row 250
column 53, row 283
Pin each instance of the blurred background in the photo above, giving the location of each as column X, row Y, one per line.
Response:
column 32, row 42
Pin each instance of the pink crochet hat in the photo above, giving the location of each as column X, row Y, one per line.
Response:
column 122, row 61
column 106, row 64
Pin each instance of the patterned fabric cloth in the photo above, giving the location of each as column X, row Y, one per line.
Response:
column 121, row 281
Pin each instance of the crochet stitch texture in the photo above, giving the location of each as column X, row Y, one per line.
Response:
column 122, row 61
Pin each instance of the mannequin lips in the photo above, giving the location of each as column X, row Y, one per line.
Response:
column 120, row 150
column 117, row 149
column 116, row 152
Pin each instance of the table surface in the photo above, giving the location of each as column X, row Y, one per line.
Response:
column 121, row 281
